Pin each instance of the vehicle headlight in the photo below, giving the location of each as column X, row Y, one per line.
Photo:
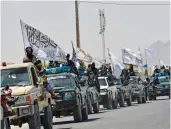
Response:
column 23, row 99
column 69, row 95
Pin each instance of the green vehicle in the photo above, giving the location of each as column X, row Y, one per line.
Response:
column 70, row 98
column 92, row 95
column 138, row 89
column 124, row 94
column 161, row 89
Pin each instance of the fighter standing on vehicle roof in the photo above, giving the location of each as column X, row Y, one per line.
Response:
column 29, row 54
column 71, row 64
column 131, row 71
column 96, row 73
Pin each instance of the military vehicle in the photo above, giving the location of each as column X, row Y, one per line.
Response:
column 124, row 91
column 138, row 89
column 92, row 95
column 160, row 89
column 34, row 103
column 108, row 93
column 70, row 98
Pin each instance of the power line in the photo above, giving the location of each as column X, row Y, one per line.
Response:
column 98, row 2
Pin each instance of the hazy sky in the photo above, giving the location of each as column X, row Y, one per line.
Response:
column 126, row 26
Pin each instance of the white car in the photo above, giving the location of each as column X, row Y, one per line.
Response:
column 108, row 93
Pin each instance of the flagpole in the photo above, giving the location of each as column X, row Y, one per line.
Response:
column 23, row 37
column 146, row 70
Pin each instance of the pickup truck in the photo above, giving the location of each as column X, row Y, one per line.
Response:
column 70, row 98
column 108, row 93
column 34, row 103
column 124, row 93
column 138, row 89
column 92, row 93
column 160, row 89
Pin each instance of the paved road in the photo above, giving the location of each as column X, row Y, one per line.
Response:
column 152, row 115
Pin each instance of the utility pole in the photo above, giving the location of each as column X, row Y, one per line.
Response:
column 77, row 23
column 102, row 30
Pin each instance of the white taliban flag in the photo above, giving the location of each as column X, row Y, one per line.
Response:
column 117, row 64
column 43, row 47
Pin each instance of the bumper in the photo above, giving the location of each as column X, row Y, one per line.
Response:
column 136, row 93
column 160, row 92
column 22, row 111
column 104, row 93
column 65, row 104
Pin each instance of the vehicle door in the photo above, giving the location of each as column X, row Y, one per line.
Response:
column 79, row 89
column 39, row 89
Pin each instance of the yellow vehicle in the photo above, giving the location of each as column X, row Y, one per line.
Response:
column 34, row 103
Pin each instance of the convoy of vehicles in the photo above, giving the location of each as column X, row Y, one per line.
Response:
column 108, row 93
column 34, row 103
column 73, row 95
column 70, row 97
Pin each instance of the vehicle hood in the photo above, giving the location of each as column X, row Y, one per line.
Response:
column 118, row 86
column 103, row 87
column 22, row 90
column 134, row 86
column 63, row 89
column 165, row 83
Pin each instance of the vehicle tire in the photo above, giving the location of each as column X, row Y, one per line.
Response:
column 96, row 107
column 154, row 97
column 47, row 119
column 121, row 100
column 85, row 112
column 139, row 99
column 150, row 97
column 109, row 103
column 143, row 99
column 34, row 120
column 77, row 114
column 90, row 111
column 115, row 104
column 129, row 100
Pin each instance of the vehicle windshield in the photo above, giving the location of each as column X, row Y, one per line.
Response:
column 102, row 82
column 163, row 79
column 15, row 77
column 60, row 81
